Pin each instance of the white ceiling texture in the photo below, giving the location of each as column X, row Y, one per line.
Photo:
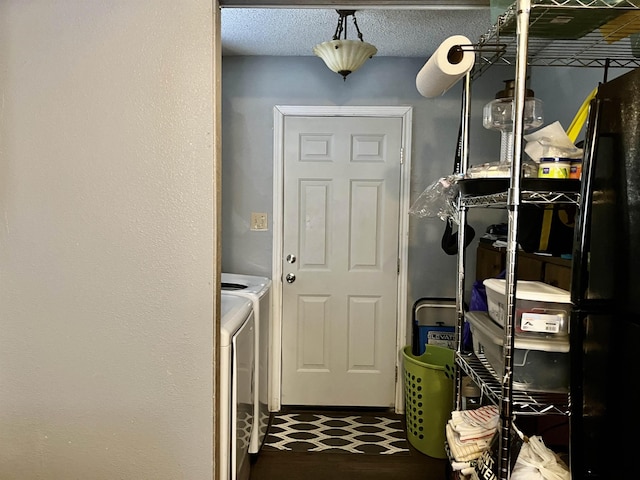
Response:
column 397, row 29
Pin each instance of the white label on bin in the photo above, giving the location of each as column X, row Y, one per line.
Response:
column 540, row 322
column 442, row 339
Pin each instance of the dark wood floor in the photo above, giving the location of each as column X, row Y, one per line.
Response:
column 278, row 465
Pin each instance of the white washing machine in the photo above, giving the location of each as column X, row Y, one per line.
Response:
column 258, row 290
column 237, row 367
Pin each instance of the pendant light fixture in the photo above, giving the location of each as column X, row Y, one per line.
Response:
column 341, row 55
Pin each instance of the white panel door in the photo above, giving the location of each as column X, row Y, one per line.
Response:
column 340, row 260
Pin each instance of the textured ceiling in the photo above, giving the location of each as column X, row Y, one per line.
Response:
column 395, row 33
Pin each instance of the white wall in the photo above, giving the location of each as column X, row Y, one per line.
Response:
column 106, row 240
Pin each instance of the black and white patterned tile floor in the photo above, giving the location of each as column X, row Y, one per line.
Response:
column 379, row 434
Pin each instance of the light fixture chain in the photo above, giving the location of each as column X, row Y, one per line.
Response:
column 355, row 22
column 339, row 27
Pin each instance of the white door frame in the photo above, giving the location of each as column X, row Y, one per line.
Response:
column 279, row 114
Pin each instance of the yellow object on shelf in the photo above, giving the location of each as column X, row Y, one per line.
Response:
column 581, row 117
column 621, row 27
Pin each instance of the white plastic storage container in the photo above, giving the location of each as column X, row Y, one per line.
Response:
column 542, row 310
column 539, row 364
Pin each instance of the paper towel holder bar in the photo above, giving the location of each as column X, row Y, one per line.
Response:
column 476, row 47
column 456, row 52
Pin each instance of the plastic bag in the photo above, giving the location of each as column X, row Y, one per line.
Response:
column 478, row 303
column 536, row 462
column 438, row 200
column 550, row 141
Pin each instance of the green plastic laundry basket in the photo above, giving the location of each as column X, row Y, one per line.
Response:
column 428, row 387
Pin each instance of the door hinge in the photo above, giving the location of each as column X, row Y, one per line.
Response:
column 398, row 272
column 396, row 381
column 401, row 155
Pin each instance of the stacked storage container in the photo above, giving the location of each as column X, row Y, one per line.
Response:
column 541, row 347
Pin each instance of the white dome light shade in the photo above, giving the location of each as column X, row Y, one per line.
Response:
column 341, row 55
column 344, row 56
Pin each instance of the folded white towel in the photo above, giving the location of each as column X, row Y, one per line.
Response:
column 486, row 416
column 478, row 437
column 467, row 432
column 463, row 451
column 475, row 424
column 456, row 466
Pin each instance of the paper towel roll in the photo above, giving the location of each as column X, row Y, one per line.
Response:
column 445, row 67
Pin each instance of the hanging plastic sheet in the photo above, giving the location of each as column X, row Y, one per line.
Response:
column 438, row 200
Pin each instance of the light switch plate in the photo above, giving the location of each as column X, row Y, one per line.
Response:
column 259, row 221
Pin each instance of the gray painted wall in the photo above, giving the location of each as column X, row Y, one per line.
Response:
column 107, row 323
column 253, row 85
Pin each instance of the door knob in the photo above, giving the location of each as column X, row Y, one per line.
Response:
column 290, row 278
column 291, row 258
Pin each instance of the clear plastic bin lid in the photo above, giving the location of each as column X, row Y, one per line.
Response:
column 531, row 290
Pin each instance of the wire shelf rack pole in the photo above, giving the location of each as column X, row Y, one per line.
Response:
column 462, row 220
column 513, row 205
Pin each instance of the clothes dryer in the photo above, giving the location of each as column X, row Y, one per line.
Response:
column 237, row 367
column 258, row 290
